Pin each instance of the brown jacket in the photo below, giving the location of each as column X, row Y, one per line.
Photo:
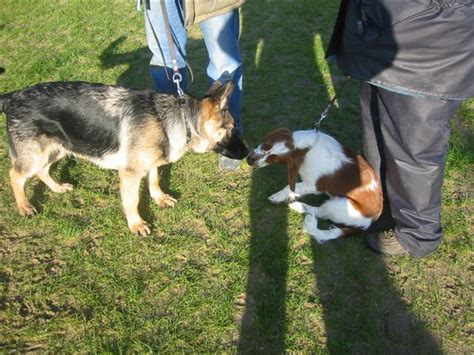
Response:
column 199, row 10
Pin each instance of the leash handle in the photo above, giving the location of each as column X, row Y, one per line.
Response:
column 325, row 113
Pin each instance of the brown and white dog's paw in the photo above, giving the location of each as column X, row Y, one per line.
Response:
column 293, row 196
column 297, row 207
column 165, row 200
column 278, row 197
column 283, row 196
column 141, row 227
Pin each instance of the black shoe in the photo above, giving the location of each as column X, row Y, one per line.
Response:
column 385, row 243
column 384, row 223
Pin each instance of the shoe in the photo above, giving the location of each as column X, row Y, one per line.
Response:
column 227, row 164
column 384, row 223
column 385, row 243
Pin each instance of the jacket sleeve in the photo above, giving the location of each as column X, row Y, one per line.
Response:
column 421, row 47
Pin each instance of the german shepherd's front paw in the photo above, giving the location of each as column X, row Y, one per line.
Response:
column 27, row 210
column 141, row 227
column 165, row 200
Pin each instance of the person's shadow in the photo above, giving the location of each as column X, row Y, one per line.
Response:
column 137, row 63
column 363, row 312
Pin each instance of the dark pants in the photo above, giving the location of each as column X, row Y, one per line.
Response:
column 405, row 139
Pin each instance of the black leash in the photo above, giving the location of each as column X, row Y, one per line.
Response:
column 177, row 77
column 325, row 113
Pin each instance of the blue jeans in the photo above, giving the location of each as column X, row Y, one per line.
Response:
column 221, row 35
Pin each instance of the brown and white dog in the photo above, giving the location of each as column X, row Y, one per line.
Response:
column 325, row 166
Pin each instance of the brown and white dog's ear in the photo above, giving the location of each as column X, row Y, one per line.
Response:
column 281, row 135
column 220, row 93
column 282, row 132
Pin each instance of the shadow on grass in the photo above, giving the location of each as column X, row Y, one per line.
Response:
column 145, row 199
column 263, row 324
column 38, row 199
column 362, row 309
column 137, row 61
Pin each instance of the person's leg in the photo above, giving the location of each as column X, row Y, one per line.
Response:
column 156, row 38
column 372, row 145
column 371, row 134
column 415, row 133
column 221, row 35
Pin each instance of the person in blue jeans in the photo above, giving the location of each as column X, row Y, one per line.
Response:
column 219, row 23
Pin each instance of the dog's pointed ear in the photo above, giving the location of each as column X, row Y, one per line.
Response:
column 212, row 90
column 220, row 93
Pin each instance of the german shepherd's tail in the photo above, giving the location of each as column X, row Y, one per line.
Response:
column 4, row 99
column 4, row 102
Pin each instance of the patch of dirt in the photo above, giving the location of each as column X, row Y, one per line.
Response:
column 441, row 294
column 28, row 258
column 22, row 346
column 193, row 228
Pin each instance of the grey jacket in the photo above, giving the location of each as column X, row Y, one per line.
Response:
column 422, row 47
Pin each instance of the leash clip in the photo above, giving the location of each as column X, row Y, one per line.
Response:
column 324, row 114
column 177, row 78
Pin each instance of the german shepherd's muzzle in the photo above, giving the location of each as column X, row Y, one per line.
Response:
column 129, row 130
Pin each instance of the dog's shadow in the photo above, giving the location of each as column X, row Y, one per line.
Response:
column 145, row 203
column 41, row 192
column 39, row 198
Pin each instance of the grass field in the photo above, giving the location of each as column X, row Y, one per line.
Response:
column 223, row 271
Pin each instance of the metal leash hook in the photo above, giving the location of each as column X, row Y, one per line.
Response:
column 325, row 113
column 177, row 78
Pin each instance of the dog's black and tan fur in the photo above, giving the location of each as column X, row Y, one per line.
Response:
column 129, row 130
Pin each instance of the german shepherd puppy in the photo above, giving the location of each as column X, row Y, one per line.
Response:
column 129, row 130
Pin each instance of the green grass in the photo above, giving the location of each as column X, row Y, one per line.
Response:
column 224, row 271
